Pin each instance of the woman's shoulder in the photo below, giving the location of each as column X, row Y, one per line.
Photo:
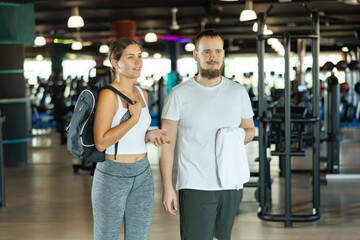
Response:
column 107, row 94
column 142, row 90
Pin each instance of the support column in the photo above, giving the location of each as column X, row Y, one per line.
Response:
column 57, row 55
column 123, row 29
column 315, row 49
column 173, row 77
column 17, row 24
column 12, row 91
column 264, row 164
column 174, row 50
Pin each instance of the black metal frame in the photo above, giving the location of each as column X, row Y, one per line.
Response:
column 332, row 125
column 265, row 183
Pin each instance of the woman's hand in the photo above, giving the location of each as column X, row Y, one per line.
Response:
column 135, row 110
column 157, row 137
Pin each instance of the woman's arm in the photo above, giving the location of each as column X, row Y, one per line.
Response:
column 157, row 136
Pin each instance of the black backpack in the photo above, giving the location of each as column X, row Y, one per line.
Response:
column 80, row 140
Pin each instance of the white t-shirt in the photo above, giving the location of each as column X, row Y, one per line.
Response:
column 201, row 112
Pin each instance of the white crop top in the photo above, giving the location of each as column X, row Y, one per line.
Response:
column 133, row 142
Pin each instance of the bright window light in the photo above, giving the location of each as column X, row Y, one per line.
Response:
column 36, row 69
column 187, row 67
column 78, row 68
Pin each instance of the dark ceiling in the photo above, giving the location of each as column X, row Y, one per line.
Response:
column 340, row 22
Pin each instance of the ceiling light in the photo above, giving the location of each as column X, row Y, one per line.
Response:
column 150, row 37
column 104, row 48
column 189, row 47
column 255, row 27
column 248, row 14
column 271, row 41
column 351, row 2
column 344, row 49
column 39, row 57
column 75, row 21
column 277, row 47
column 281, row 52
column 144, row 54
column 276, row 44
column 157, row 55
column 76, row 45
column 40, row 41
column 268, row 32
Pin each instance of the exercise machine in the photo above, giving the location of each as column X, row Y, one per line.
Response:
column 287, row 120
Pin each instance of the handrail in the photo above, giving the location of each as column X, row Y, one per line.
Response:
column 293, row 120
column 16, row 100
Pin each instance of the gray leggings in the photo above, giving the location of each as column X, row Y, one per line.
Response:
column 122, row 191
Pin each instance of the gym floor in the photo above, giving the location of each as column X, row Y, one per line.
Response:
column 46, row 200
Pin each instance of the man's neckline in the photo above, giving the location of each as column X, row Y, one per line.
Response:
column 214, row 86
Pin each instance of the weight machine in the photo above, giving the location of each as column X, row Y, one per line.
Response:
column 288, row 120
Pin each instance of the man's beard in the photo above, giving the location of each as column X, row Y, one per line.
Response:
column 210, row 74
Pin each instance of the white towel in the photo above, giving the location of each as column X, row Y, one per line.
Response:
column 232, row 163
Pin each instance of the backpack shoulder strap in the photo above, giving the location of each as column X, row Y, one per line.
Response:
column 117, row 92
column 121, row 95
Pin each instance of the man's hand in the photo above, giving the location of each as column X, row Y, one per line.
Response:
column 170, row 201
column 158, row 137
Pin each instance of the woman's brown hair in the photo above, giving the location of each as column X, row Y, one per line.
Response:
column 116, row 50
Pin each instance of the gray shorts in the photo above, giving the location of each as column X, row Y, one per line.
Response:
column 122, row 191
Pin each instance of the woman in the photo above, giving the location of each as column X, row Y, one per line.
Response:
column 123, row 185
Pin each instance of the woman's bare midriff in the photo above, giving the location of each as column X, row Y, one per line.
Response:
column 126, row 158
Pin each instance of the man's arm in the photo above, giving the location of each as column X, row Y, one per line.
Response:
column 248, row 125
column 166, row 165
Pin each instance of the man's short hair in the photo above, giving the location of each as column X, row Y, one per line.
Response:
column 207, row 33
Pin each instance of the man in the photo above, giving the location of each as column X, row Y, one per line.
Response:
column 193, row 113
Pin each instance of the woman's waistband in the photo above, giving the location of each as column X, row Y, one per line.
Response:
column 119, row 169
